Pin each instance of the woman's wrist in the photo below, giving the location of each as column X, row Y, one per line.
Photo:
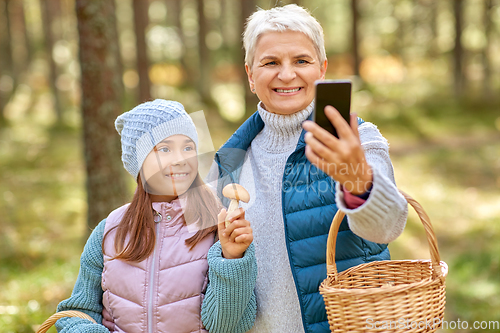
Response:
column 358, row 187
column 357, row 179
column 354, row 201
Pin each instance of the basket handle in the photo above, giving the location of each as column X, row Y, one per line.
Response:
column 58, row 315
column 424, row 218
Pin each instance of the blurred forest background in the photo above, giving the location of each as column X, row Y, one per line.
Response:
column 426, row 72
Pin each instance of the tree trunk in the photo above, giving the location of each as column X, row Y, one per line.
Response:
column 3, row 39
column 204, row 55
column 6, row 60
column 434, row 12
column 47, row 19
column 9, row 59
column 355, row 36
column 251, row 100
column 174, row 14
column 223, row 23
column 140, row 24
column 17, row 12
column 458, row 49
column 487, row 82
column 401, row 33
column 3, row 120
column 102, row 93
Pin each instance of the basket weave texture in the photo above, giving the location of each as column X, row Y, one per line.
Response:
column 386, row 296
column 58, row 315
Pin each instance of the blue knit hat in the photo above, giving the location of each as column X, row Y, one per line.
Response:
column 148, row 124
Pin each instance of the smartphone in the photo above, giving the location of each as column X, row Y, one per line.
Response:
column 336, row 93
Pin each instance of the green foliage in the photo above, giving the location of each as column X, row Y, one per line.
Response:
column 42, row 222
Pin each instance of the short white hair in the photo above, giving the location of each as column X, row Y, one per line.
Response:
column 280, row 19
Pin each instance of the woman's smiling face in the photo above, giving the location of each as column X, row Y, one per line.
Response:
column 285, row 67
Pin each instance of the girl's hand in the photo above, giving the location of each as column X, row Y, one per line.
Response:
column 107, row 320
column 341, row 158
column 237, row 236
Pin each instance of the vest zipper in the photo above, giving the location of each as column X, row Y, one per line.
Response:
column 157, row 219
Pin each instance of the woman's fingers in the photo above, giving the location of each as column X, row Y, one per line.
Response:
column 317, row 160
column 341, row 158
column 343, row 129
column 319, row 148
column 354, row 124
column 322, row 135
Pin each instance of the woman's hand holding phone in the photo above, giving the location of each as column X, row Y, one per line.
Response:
column 341, row 158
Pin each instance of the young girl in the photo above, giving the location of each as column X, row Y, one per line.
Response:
column 142, row 266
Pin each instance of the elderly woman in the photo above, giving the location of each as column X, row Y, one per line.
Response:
column 298, row 175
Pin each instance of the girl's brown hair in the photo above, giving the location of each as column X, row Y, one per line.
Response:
column 135, row 234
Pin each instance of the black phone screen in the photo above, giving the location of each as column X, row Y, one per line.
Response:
column 336, row 93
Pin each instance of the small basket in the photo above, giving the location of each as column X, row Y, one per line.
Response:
column 58, row 315
column 386, row 296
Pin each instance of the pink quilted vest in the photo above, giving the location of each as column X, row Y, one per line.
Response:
column 163, row 293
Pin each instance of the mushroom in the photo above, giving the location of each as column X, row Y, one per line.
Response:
column 235, row 192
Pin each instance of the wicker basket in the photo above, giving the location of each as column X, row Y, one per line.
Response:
column 386, row 296
column 58, row 315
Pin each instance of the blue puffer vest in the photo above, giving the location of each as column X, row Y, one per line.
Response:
column 308, row 196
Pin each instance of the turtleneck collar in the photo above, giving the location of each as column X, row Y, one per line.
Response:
column 281, row 132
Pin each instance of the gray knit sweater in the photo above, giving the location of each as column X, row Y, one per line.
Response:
column 380, row 219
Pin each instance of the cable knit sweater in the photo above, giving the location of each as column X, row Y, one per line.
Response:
column 261, row 175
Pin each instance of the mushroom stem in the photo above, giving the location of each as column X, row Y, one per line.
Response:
column 233, row 205
column 235, row 193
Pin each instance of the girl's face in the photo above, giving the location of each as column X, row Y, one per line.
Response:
column 285, row 67
column 170, row 168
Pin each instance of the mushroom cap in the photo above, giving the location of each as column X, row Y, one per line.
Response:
column 236, row 191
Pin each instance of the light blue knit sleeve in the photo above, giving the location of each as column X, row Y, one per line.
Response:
column 230, row 304
column 87, row 293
